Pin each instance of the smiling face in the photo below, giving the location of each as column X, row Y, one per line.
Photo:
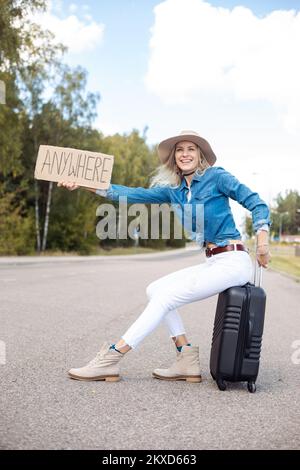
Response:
column 187, row 156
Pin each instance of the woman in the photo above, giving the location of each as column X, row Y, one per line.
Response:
column 187, row 176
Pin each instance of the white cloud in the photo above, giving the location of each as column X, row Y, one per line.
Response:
column 78, row 35
column 197, row 49
column 73, row 7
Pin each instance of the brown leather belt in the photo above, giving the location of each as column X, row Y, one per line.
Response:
column 220, row 249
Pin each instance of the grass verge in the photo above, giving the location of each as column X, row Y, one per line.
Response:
column 283, row 259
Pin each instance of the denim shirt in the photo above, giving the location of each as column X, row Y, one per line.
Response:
column 212, row 189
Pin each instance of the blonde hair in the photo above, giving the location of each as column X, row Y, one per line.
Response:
column 169, row 174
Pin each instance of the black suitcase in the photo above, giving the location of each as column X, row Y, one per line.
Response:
column 237, row 334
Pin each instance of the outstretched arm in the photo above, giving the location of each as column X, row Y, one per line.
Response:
column 155, row 195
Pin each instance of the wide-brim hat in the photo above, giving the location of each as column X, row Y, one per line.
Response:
column 166, row 146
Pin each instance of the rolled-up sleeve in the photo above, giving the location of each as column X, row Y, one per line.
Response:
column 231, row 187
column 156, row 195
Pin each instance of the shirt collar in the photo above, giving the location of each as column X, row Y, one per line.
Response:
column 197, row 177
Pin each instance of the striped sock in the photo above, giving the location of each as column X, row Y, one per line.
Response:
column 113, row 346
column 179, row 348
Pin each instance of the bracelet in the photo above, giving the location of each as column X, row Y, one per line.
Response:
column 263, row 244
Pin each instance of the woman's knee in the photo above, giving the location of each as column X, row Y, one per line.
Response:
column 150, row 290
column 155, row 287
column 162, row 298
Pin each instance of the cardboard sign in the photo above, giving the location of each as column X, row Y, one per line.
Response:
column 85, row 168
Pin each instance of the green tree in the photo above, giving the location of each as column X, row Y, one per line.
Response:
column 11, row 126
column 15, row 225
column 23, row 46
column 286, row 216
column 18, row 34
column 249, row 226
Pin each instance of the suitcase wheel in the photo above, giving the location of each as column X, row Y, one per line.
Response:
column 251, row 387
column 221, row 384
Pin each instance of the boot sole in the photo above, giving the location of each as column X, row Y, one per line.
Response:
column 108, row 378
column 190, row 378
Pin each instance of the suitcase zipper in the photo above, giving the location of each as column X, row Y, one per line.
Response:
column 242, row 337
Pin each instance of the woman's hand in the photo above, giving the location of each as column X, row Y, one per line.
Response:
column 263, row 255
column 72, row 186
column 69, row 186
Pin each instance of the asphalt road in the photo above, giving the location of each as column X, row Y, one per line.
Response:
column 56, row 313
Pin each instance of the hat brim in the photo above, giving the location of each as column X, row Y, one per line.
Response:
column 166, row 146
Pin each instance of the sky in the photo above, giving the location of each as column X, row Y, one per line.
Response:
column 227, row 69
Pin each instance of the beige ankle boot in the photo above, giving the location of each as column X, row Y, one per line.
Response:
column 105, row 366
column 186, row 366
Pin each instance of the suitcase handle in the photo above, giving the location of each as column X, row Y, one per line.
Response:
column 257, row 274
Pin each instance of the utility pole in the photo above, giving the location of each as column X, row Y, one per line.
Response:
column 281, row 215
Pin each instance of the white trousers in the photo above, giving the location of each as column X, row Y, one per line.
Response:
column 217, row 273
